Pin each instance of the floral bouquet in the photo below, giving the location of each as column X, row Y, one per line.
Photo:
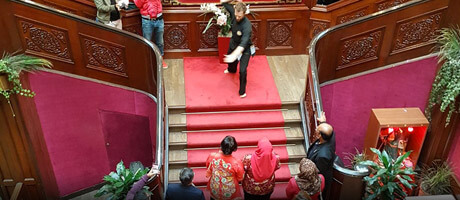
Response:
column 221, row 16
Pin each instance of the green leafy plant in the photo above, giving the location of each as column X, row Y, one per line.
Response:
column 118, row 183
column 355, row 158
column 446, row 85
column 13, row 65
column 435, row 180
column 388, row 179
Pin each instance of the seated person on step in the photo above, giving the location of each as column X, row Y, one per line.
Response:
column 185, row 189
column 260, row 167
column 308, row 184
column 224, row 171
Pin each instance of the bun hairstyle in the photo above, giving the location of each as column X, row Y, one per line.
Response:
column 228, row 145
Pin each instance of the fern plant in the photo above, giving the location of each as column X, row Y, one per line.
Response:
column 355, row 158
column 13, row 65
column 389, row 179
column 118, row 183
column 446, row 86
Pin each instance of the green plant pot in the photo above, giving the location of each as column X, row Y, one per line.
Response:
column 4, row 83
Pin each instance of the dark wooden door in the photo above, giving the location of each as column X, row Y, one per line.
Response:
column 16, row 161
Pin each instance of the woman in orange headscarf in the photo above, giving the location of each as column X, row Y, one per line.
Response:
column 260, row 167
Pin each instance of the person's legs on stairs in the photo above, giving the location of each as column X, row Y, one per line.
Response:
column 243, row 74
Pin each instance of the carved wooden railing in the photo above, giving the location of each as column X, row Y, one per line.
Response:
column 275, row 28
column 399, row 33
column 323, row 17
column 82, row 47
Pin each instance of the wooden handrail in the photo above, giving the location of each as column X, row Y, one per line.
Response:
column 17, row 191
column 386, row 33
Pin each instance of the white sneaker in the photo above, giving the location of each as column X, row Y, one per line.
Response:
column 243, row 95
column 226, row 71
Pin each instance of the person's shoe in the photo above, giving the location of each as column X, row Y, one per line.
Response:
column 243, row 95
column 226, row 71
column 165, row 66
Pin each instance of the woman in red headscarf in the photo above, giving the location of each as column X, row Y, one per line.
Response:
column 260, row 167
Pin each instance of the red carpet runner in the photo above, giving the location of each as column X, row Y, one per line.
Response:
column 208, row 91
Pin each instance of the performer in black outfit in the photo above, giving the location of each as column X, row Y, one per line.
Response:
column 322, row 151
column 240, row 42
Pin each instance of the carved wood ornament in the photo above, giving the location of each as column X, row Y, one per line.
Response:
column 175, row 36
column 104, row 56
column 280, row 33
column 45, row 40
column 416, row 32
column 359, row 49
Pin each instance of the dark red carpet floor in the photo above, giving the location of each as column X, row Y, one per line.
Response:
column 209, row 91
column 207, row 88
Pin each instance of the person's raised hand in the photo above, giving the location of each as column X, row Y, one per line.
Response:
column 322, row 118
column 153, row 171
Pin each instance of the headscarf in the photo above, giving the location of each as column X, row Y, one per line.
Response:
column 263, row 161
column 308, row 179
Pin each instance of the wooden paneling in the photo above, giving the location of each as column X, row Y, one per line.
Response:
column 16, row 158
column 381, row 41
column 74, row 46
column 274, row 26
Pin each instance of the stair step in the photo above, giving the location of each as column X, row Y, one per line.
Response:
column 179, row 117
column 281, row 175
column 292, row 153
column 235, row 120
column 180, row 139
column 278, row 194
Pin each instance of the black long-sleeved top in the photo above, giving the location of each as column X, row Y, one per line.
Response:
column 241, row 31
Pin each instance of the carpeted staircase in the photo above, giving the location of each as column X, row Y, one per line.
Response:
column 197, row 129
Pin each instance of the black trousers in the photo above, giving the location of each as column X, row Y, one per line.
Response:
column 248, row 196
column 244, row 61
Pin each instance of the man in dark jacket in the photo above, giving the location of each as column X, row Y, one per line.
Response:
column 240, row 45
column 322, row 151
column 185, row 189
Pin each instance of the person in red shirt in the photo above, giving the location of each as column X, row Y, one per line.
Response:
column 260, row 167
column 224, row 171
column 152, row 22
column 308, row 184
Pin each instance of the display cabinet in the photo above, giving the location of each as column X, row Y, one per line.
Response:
column 396, row 130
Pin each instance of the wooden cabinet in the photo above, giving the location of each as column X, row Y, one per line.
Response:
column 397, row 129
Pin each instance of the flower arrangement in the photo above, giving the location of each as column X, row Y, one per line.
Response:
column 221, row 16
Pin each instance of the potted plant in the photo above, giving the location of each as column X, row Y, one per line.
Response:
column 435, row 180
column 355, row 160
column 11, row 67
column 389, row 178
column 446, row 85
column 117, row 184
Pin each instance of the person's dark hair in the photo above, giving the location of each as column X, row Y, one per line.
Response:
column 186, row 176
column 228, row 145
column 240, row 6
column 326, row 136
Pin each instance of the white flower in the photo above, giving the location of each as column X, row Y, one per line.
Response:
column 247, row 9
column 222, row 20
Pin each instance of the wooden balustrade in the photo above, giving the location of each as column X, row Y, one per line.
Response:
column 77, row 46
